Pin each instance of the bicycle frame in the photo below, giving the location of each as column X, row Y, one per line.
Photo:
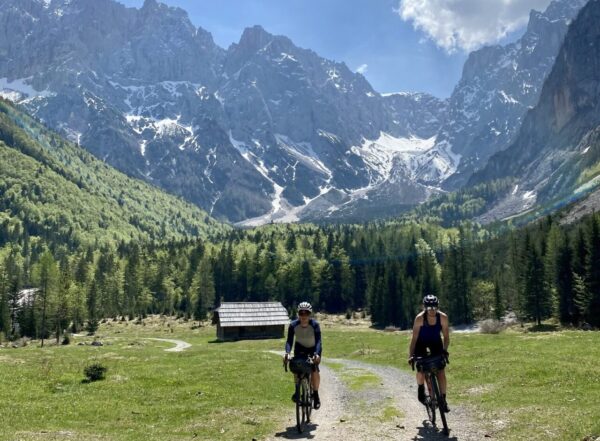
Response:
column 430, row 367
column 304, row 392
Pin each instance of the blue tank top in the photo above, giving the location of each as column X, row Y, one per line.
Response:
column 429, row 332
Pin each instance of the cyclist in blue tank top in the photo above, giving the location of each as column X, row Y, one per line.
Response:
column 429, row 327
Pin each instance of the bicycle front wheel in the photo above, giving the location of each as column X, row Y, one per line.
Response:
column 438, row 396
column 430, row 403
column 299, row 408
column 309, row 401
column 305, row 394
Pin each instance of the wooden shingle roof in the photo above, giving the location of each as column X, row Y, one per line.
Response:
column 232, row 314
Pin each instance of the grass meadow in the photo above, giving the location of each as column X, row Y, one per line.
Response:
column 521, row 385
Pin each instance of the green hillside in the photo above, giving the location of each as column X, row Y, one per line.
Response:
column 55, row 190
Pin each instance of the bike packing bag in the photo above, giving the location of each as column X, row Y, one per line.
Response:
column 436, row 362
column 300, row 366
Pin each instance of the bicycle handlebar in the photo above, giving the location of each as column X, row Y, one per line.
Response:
column 310, row 359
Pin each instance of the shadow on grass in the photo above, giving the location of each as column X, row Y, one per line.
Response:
column 544, row 328
column 292, row 432
column 428, row 432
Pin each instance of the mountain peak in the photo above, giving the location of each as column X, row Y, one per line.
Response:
column 150, row 4
column 255, row 38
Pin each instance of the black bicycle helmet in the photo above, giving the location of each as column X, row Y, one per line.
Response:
column 430, row 300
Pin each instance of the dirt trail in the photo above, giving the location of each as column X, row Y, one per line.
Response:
column 180, row 345
column 351, row 414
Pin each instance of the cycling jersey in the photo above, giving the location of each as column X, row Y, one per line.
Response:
column 308, row 339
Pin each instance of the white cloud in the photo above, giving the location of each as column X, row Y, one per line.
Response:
column 468, row 24
column 362, row 69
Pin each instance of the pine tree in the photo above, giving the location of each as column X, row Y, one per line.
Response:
column 538, row 305
column 498, row 305
column 593, row 271
column 5, row 321
column 290, row 243
column 360, row 286
column 47, row 279
column 132, row 286
column 203, row 290
column 241, row 275
column 63, row 300
column 336, row 285
column 92, row 307
column 581, row 297
column 394, row 301
column 305, row 283
column 565, row 284
column 376, row 296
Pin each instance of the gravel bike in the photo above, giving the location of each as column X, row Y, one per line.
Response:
column 430, row 366
column 303, row 368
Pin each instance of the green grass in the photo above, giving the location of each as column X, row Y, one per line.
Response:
column 389, row 413
column 525, row 385
column 211, row 391
column 359, row 379
column 355, row 378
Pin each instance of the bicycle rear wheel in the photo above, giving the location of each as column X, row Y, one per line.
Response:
column 438, row 396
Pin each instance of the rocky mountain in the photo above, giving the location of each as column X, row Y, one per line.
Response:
column 263, row 130
column 555, row 157
column 260, row 131
column 498, row 85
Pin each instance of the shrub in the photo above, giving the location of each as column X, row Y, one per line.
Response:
column 491, row 326
column 66, row 340
column 92, row 326
column 94, row 372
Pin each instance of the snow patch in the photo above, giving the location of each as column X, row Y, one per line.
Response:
column 330, row 136
column 304, row 152
column 143, row 145
column 385, row 153
column 19, row 90
column 507, row 98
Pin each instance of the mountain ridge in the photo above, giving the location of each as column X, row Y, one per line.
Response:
column 261, row 131
column 55, row 190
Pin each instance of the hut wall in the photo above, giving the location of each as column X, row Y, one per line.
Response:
column 250, row 332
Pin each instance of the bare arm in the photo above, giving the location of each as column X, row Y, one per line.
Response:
column 445, row 331
column 415, row 336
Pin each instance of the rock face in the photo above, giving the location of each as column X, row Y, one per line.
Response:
column 263, row 130
column 556, row 153
column 498, row 85
column 256, row 132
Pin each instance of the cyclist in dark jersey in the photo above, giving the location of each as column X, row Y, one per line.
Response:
column 428, row 329
column 307, row 333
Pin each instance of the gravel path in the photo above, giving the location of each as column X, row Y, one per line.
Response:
column 180, row 345
column 357, row 415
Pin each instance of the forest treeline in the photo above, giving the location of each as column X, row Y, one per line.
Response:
column 540, row 271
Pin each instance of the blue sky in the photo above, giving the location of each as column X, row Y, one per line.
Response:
column 357, row 32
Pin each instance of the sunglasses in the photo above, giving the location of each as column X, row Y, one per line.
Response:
column 431, row 308
column 303, row 313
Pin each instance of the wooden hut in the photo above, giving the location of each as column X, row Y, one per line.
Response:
column 247, row 320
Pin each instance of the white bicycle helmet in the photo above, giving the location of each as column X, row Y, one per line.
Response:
column 305, row 306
